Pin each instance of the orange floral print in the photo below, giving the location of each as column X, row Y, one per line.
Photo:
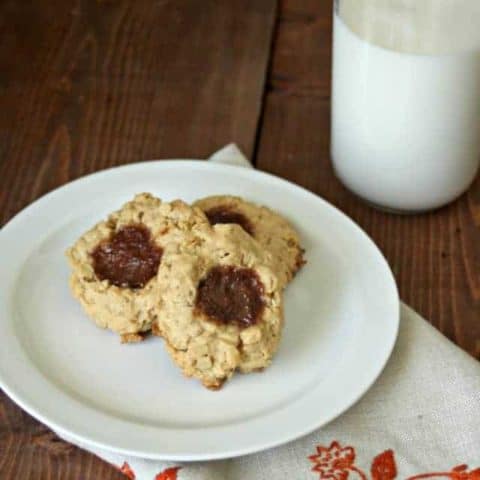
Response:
column 168, row 474
column 126, row 470
column 383, row 466
column 336, row 463
column 457, row 473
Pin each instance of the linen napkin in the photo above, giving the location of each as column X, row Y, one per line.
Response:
column 421, row 419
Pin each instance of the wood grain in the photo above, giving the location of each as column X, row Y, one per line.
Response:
column 92, row 84
column 87, row 84
column 436, row 256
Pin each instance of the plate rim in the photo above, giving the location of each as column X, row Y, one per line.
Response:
column 26, row 404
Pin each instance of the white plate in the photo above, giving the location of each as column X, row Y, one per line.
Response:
column 342, row 315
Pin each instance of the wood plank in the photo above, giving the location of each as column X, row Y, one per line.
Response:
column 107, row 83
column 435, row 257
column 91, row 84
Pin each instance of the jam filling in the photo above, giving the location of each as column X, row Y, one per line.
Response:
column 231, row 295
column 223, row 214
column 128, row 259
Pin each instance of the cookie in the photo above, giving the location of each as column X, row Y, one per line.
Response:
column 222, row 306
column 115, row 264
column 271, row 230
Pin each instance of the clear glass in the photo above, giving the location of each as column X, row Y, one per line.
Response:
column 406, row 100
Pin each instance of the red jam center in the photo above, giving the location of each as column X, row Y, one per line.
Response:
column 231, row 295
column 223, row 214
column 128, row 259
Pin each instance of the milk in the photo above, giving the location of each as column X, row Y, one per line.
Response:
column 405, row 125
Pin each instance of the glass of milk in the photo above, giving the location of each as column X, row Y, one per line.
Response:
column 406, row 100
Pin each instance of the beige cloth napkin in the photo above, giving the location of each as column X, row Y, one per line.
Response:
column 421, row 419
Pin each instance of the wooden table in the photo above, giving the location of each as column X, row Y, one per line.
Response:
column 86, row 85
